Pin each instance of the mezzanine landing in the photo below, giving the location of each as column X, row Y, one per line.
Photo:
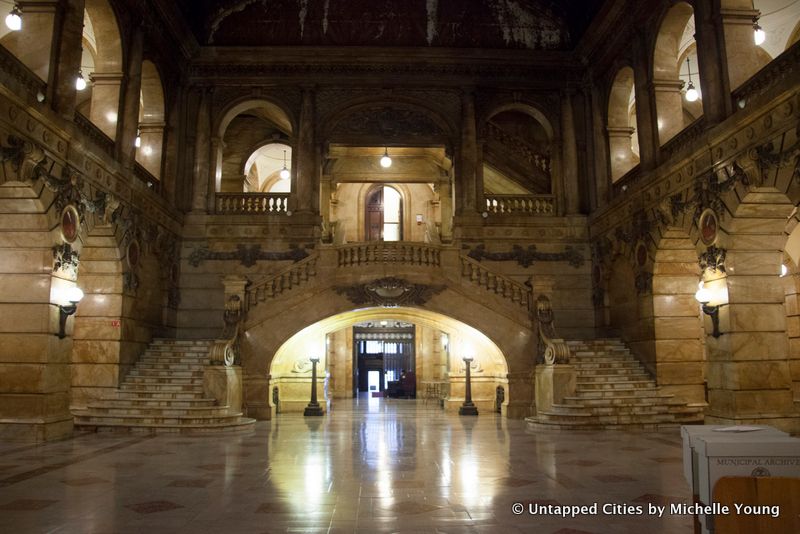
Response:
column 372, row 466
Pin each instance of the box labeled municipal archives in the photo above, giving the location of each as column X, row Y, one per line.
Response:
column 744, row 456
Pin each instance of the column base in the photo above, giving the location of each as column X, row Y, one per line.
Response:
column 313, row 410
column 468, row 409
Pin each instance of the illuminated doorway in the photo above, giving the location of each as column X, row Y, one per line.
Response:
column 384, row 209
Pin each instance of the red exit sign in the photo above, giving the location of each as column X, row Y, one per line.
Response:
column 116, row 323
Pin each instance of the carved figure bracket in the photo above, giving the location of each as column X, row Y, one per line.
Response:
column 713, row 259
column 389, row 293
column 551, row 349
column 65, row 258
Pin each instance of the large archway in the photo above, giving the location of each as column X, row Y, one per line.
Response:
column 441, row 343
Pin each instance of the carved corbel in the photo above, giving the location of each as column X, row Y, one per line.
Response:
column 552, row 349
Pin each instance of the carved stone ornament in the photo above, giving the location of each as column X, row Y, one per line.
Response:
column 643, row 283
column 226, row 349
column 552, row 349
column 526, row 257
column 247, row 255
column 768, row 159
column 70, row 223
column 708, row 225
column 387, row 123
column 713, row 259
column 708, row 190
column 130, row 281
column 389, row 292
column 66, row 259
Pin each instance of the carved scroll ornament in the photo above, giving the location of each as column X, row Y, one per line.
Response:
column 389, row 293
column 552, row 349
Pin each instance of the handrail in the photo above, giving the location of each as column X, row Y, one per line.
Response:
column 19, row 70
column 282, row 281
column 626, row 181
column 685, row 138
column 507, row 288
column 771, row 74
column 520, row 204
column 252, row 203
column 389, row 252
column 95, row 134
column 145, row 176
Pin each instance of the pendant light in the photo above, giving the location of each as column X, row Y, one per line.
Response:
column 284, row 174
column 759, row 35
column 386, row 161
column 138, row 141
column 80, row 83
column 691, row 93
column 14, row 19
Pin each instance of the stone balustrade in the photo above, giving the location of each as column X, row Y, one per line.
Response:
column 389, row 252
column 509, row 289
column 252, row 203
column 274, row 286
column 520, row 204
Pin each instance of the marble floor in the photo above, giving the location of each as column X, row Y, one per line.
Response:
column 371, row 467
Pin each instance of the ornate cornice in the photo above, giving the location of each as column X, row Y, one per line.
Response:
column 527, row 256
column 247, row 255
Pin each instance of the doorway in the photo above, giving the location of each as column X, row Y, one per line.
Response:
column 384, row 210
column 385, row 359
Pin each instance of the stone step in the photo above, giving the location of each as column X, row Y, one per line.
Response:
column 602, row 373
column 159, row 395
column 163, row 366
column 620, row 409
column 158, row 411
column 613, row 364
column 242, row 426
column 166, row 373
column 642, row 400
column 156, row 403
column 599, row 393
column 91, row 417
column 154, row 388
column 163, row 380
column 606, row 385
column 181, row 342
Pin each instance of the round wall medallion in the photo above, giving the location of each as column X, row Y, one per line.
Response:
column 641, row 254
column 709, row 226
column 133, row 254
column 70, row 223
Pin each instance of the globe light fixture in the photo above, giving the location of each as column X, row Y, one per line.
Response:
column 73, row 296
column 759, row 35
column 704, row 296
column 138, row 141
column 784, row 270
column 14, row 19
column 80, row 83
column 284, row 174
column 691, row 93
column 386, row 161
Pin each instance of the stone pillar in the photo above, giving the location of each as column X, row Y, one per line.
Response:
column 446, row 208
column 742, row 53
column 569, row 160
column 712, row 63
column 171, row 151
column 553, row 383
column 105, row 106
column 669, row 108
column 325, row 207
column 600, row 150
column 749, row 379
column 202, row 153
column 149, row 155
column 466, row 171
column 214, row 181
column 520, row 395
column 646, row 116
column 225, row 385
column 65, row 61
column 128, row 123
column 622, row 157
column 306, row 184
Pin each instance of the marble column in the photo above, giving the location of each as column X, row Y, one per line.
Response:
column 202, row 153
column 170, row 151
column 104, row 112
column 128, row 124
column 446, row 208
column 622, row 157
column 569, row 160
column 646, row 115
column 466, row 172
column 712, row 63
column 65, row 62
column 307, row 177
column 325, row 207
column 214, row 181
column 149, row 154
column 669, row 108
column 744, row 58
column 600, row 150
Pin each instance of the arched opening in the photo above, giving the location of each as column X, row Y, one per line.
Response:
column 517, row 152
column 623, row 143
column 790, row 280
column 150, row 143
column 101, row 64
column 268, row 169
column 343, row 344
column 32, row 44
column 383, row 214
column 675, row 106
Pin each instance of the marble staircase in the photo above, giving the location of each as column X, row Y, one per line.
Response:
column 163, row 393
column 614, row 390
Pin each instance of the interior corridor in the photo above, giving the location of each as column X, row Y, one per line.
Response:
column 368, row 466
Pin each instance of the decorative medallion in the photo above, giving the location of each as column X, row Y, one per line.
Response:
column 641, row 254
column 133, row 254
column 389, row 292
column 709, row 226
column 70, row 223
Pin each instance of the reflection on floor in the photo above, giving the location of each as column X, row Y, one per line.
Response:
column 375, row 466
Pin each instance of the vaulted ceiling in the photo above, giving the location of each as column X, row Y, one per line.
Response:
column 493, row 24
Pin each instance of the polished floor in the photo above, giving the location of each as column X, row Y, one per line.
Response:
column 371, row 467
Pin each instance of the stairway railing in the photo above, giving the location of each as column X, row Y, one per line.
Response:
column 505, row 287
column 294, row 275
column 389, row 252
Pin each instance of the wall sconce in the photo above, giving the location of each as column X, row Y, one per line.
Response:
column 14, row 19
column 759, row 35
column 73, row 295
column 703, row 296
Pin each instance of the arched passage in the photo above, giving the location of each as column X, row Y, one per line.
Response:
column 622, row 140
column 441, row 343
column 149, row 149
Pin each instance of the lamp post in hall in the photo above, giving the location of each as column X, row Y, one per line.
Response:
column 313, row 407
column 468, row 408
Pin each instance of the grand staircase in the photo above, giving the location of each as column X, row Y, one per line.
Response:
column 614, row 391
column 163, row 393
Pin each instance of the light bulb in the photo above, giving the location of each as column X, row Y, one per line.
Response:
column 386, row 161
column 703, row 295
column 73, row 294
column 784, row 270
column 691, row 93
column 14, row 20
column 138, row 141
column 759, row 35
column 80, row 83
column 285, row 174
